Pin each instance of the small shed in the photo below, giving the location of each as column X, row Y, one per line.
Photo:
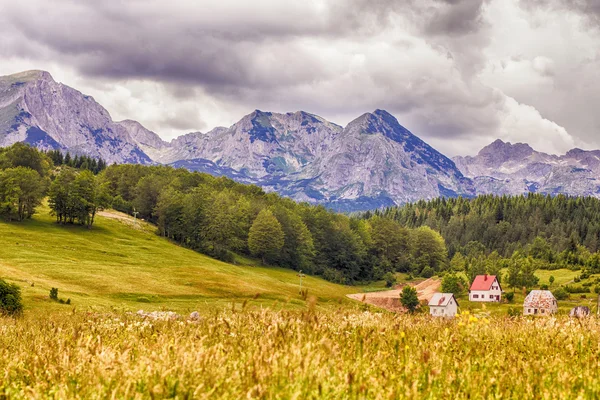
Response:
column 443, row 305
column 540, row 302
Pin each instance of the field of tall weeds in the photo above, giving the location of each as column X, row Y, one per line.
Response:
column 298, row 355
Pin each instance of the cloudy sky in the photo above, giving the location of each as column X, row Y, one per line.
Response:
column 458, row 73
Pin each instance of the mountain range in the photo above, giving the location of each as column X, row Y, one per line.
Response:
column 371, row 162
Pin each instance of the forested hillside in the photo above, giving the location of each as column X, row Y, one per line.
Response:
column 219, row 217
column 222, row 218
column 554, row 231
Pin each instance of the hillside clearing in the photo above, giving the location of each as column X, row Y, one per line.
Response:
column 390, row 299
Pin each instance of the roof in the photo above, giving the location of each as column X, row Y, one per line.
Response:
column 539, row 299
column 483, row 282
column 441, row 299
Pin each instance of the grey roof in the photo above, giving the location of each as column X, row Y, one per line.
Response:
column 441, row 299
column 539, row 299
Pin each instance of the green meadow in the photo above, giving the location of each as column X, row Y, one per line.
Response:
column 118, row 265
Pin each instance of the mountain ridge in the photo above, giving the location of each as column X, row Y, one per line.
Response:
column 371, row 162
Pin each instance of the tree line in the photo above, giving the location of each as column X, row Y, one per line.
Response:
column 78, row 161
column 221, row 218
column 28, row 175
column 546, row 232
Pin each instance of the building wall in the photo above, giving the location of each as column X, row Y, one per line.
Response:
column 540, row 311
column 449, row 311
column 484, row 295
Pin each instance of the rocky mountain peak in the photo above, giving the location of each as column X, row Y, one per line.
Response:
column 507, row 149
column 29, row 76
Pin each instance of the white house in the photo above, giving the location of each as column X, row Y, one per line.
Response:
column 485, row 288
column 540, row 302
column 443, row 305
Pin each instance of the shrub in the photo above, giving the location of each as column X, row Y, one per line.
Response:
column 10, row 299
column 544, row 287
column 452, row 283
column 584, row 275
column 561, row 294
column 513, row 311
column 143, row 299
column 54, row 293
column 333, row 275
column 390, row 279
column 597, row 289
column 409, row 298
column 576, row 289
column 510, row 296
column 427, row 272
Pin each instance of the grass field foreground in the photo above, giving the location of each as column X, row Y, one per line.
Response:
column 303, row 355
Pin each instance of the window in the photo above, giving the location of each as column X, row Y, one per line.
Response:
column 475, row 296
column 491, row 296
column 542, row 311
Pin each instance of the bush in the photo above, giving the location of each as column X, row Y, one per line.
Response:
column 513, row 311
column 510, row 296
column 390, row 279
column 54, row 293
column 597, row 289
column 10, row 299
column 452, row 283
column 409, row 298
column 143, row 299
column 427, row 272
column 561, row 294
column 333, row 275
column 576, row 289
column 544, row 287
column 584, row 275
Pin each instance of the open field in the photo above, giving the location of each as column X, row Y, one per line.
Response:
column 301, row 355
column 113, row 265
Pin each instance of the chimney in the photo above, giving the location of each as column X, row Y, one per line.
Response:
column 485, row 277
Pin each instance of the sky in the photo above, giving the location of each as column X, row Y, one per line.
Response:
column 457, row 73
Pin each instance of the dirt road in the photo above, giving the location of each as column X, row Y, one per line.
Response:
column 390, row 299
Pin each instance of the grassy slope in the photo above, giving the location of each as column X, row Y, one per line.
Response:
column 115, row 265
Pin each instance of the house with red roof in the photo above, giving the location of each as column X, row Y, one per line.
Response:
column 443, row 305
column 485, row 288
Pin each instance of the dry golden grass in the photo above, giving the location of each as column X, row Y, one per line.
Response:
column 294, row 354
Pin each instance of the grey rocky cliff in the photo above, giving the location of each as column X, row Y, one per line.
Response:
column 38, row 110
column 372, row 162
column 505, row 168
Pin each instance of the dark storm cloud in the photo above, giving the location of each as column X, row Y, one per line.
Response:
column 215, row 46
column 456, row 17
column 420, row 59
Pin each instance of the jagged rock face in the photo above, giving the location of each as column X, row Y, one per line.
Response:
column 505, row 168
column 377, row 158
column 372, row 162
column 261, row 144
column 37, row 110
